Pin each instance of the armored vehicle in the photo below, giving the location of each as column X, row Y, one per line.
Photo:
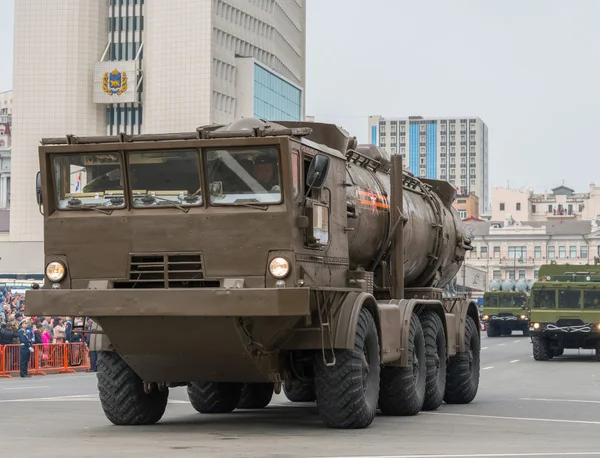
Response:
column 565, row 310
column 505, row 312
column 244, row 259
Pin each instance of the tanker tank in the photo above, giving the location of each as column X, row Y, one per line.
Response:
column 434, row 238
column 508, row 285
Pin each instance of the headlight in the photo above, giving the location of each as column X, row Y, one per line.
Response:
column 279, row 267
column 523, row 317
column 536, row 326
column 55, row 271
column 485, row 317
column 598, row 327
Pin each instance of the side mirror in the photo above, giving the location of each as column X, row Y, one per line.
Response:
column 317, row 171
column 38, row 188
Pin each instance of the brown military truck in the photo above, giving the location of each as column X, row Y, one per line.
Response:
column 244, row 259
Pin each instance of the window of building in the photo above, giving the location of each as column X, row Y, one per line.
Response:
column 402, row 150
column 463, row 183
column 472, row 160
column 472, row 172
column 463, row 150
column 570, row 209
column 521, row 274
column 533, row 208
column 423, row 139
column 422, row 127
column 497, row 274
column 382, row 141
column 517, row 252
column 422, row 172
column 393, row 150
column 580, row 208
column 537, row 252
column 472, row 138
column 452, row 173
column 511, row 275
column 484, row 252
column 472, row 182
column 423, row 150
column 452, row 127
column 452, row 138
column 382, row 128
column 550, row 252
column 583, row 251
column 598, row 251
column 443, row 161
column 562, row 252
column 496, row 252
column 463, row 127
column 463, row 160
column 443, row 127
column 463, row 138
column 393, row 140
column 422, row 160
column 452, row 160
column 443, row 150
column 393, row 128
column 402, row 129
column 462, row 214
column 443, row 138
column 572, row 251
column 501, row 206
column 402, row 139
column 550, row 208
column 536, row 274
column 518, row 206
column 471, row 149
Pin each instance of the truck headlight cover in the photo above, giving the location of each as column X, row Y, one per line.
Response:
column 279, row 267
column 55, row 271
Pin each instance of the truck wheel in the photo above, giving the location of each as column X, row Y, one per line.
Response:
column 493, row 330
column 435, row 350
column 526, row 331
column 462, row 381
column 122, row 394
column 347, row 392
column 299, row 392
column 541, row 349
column 255, row 395
column 214, row 397
column 402, row 390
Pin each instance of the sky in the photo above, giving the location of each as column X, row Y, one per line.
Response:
column 529, row 69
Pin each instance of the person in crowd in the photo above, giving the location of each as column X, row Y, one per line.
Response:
column 7, row 335
column 26, row 349
column 91, row 339
column 59, row 331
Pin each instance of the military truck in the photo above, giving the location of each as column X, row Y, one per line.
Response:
column 505, row 312
column 241, row 259
column 565, row 310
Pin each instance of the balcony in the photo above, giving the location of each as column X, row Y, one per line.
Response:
column 561, row 214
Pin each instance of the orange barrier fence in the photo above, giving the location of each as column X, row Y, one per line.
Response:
column 60, row 358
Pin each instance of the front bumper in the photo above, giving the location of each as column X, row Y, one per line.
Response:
column 505, row 319
column 198, row 302
column 553, row 329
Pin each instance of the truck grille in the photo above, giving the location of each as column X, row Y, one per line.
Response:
column 169, row 270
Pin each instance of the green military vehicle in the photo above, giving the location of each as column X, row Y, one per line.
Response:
column 243, row 260
column 565, row 310
column 505, row 312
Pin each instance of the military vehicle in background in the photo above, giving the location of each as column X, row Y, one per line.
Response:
column 565, row 310
column 505, row 308
column 242, row 259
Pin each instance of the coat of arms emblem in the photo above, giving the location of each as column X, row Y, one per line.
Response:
column 114, row 82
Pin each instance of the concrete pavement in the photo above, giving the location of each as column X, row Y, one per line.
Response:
column 523, row 408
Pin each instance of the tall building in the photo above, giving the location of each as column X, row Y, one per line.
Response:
column 5, row 106
column 107, row 66
column 453, row 149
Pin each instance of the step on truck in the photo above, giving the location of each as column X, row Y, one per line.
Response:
column 255, row 257
column 505, row 312
column 565, row 310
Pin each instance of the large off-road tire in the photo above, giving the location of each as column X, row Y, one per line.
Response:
column 122, row 393
column 300, row 392
column 493, row 330
column 435, row 351
column 347, row 392
column 402, row 389
column 541, row 349
column 214, row 397
column 255, row 395
column 462, row 380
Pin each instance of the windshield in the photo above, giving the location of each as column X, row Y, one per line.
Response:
column 569, row 299
column 91, row 180
column 511, row 301
column 544, row 299
column 591, row 299
column 490, row 301
column 244, row 176
column 165, row 177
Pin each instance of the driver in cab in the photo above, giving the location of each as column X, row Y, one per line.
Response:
column 110, row 181
column 265, row 172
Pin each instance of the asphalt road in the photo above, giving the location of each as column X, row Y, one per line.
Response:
column 523, row 408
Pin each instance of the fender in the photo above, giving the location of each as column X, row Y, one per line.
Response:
column 465, row 308
column 99, row 342
column 346, row 319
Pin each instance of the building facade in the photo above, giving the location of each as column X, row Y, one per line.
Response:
column 467, row 206
column 515, row 250
column 452, row 149
column 139, row 66
column 5, row 106
column 562, row 203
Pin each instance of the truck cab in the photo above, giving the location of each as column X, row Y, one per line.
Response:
column 565, row 310
column 505, row 312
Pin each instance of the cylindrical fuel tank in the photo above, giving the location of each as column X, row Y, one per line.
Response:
column 495, row 285
column 434, row 239
column 508, row 285
column 521, row 285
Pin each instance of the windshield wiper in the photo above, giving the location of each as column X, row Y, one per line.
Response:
column 147, row 198
column 258, row 206
column 76, row 203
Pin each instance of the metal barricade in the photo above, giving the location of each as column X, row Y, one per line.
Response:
column 59, row 358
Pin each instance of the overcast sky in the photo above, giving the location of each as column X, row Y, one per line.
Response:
column 529, row 68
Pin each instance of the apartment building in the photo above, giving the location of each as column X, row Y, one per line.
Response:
column 467, row 206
